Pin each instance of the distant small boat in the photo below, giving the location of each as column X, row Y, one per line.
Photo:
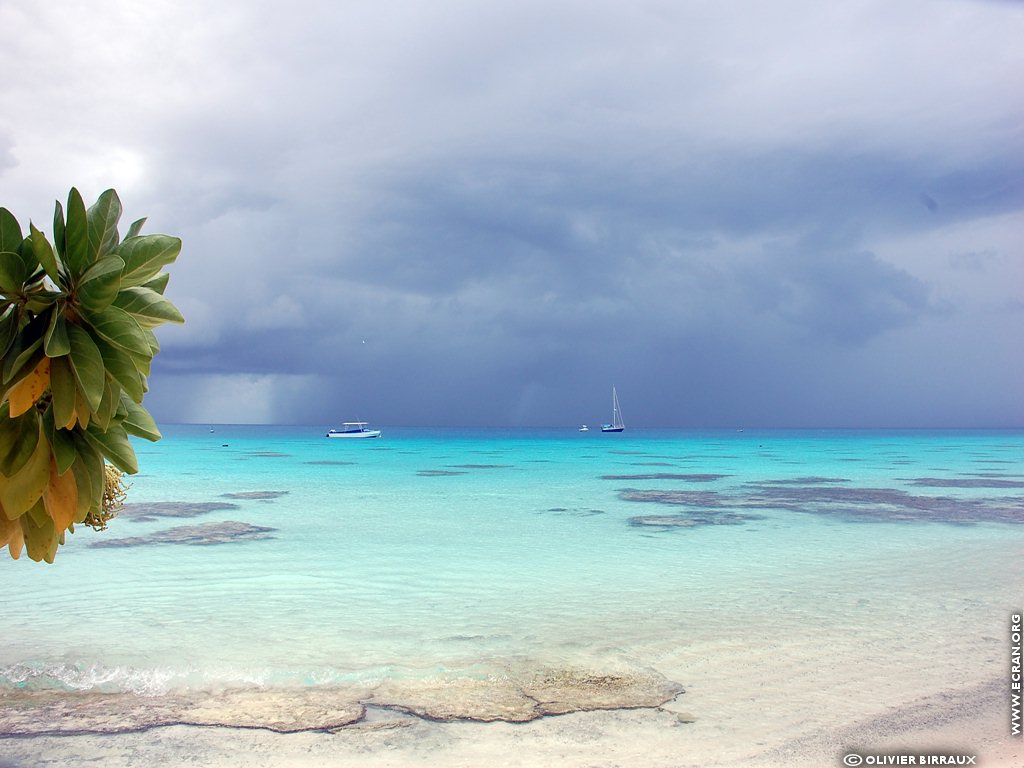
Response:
column 354, row 429
column 584, row 428
column 617, row 424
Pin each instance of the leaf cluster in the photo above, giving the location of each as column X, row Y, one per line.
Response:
column 76, row 345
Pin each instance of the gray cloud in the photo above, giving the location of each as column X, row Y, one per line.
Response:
column 489, row 213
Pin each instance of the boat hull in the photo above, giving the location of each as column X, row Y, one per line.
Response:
column 617, row 424
column 365, row 433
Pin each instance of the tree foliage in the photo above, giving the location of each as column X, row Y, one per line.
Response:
column 76, row 335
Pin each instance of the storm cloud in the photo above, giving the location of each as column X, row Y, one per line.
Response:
column 466, row 213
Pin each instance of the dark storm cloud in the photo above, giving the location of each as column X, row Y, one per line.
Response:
column 489, row 213
column 846, row 297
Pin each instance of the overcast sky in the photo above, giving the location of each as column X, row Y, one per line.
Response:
column 487, row 213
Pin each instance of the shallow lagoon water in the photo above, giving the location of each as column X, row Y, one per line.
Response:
column 790, row 574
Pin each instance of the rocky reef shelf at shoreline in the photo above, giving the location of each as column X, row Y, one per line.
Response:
column 512, row 697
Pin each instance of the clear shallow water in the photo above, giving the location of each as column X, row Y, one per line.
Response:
column 464, row 551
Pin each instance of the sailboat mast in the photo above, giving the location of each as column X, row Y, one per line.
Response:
column 617, row 424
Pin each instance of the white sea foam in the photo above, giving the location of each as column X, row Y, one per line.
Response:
column 96, row 677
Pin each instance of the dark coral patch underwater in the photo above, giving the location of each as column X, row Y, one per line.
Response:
column 147, row 512
column 255, row 495
column 971, row 482
column 686, row 478
column 692, row 520
column 844, row 502
column 205, row 534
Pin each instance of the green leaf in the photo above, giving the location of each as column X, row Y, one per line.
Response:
column 145, row 256
column 154, row 345
column 24, row 348
column 144, row 365
column 40, row 301
column 100, row 284
column 87, row 497
column 21, row 490
column 158, row 283
column 103, row 216
column 8, row 330
column 56, row 342
column 135, row 228
column 120, row 365
column 63, row 387
column 148, row 307
column 120, row 329
column 10, row 231
column 138, row 422
column 115, row 446
column 45, row 254
column 61, row 442
column 87, row 365
column 88, row 469
column 58, row 229
column 108, row 405
column 12, row 273
column 76, row 236
column 18, row 438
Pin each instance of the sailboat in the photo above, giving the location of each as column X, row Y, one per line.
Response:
column 617, row 424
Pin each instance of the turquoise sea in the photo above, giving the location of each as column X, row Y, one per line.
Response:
column 785, row 579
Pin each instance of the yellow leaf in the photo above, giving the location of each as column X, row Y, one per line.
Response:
column 11, row 536
column 61, row 497
column 16, row 544
column 24, row 394
column 82, row 409
column 21, row 492
column 40, row 534
column 71, row 421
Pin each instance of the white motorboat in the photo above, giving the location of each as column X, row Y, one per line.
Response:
column 354, row 429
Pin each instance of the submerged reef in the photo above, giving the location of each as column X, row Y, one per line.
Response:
column 972, row 482
column 823, row 496
column 687, row 478
column 576, row 511
column 205, row 534
column 256, row 495
column 886, row 504
column 812, row 480
column 147, row 512
column 692, row 519
column 711, row 499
